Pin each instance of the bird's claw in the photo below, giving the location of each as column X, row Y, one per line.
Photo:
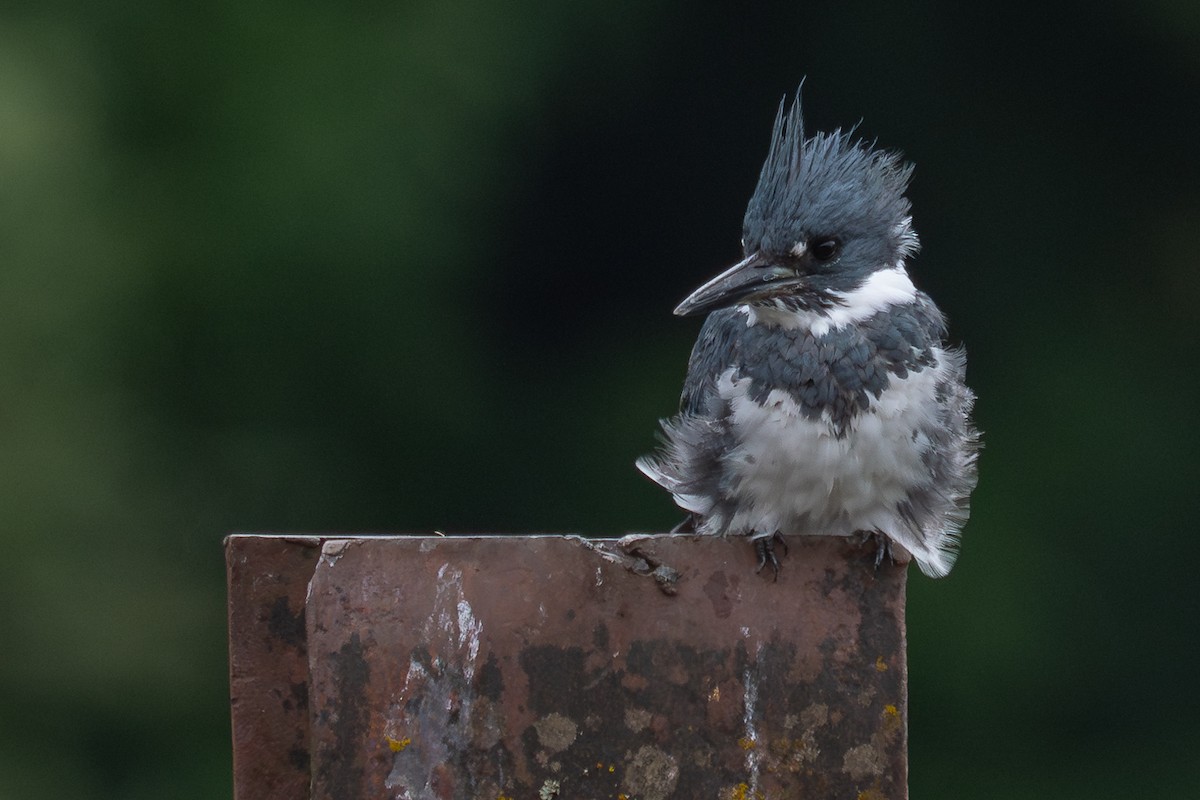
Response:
column 883, row 547
column 764, row 548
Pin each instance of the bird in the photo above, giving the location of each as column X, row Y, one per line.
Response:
column 821, row 396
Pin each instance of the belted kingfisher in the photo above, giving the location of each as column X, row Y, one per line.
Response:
column 821, row 397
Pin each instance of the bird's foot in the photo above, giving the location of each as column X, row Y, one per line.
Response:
column 882, row 545
column 764, row 548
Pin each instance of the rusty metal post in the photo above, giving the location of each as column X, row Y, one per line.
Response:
column 268, row 663
column 645, row 668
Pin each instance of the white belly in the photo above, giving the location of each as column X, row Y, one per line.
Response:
column 794, row 475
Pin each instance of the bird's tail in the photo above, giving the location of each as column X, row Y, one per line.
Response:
column 652, row 468
column 684, row 464
column 937, row 561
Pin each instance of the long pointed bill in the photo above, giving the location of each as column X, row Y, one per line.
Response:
column 746, row 280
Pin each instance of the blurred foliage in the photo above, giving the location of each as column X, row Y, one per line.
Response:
column 409, row 265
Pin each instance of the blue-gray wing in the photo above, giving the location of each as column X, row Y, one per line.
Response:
column 716, row 349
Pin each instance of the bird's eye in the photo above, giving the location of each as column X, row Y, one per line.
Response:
column 825, row 249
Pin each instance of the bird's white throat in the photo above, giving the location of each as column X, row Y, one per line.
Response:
column 881, row 290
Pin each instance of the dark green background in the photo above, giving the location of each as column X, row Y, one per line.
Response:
column 409, row 266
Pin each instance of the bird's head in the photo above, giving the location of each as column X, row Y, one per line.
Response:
column 828, row 213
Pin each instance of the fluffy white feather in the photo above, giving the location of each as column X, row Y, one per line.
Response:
column 795, row 475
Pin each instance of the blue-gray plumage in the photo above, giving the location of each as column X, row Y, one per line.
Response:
column 820, row 396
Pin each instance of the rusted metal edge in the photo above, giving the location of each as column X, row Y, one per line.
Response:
column 268, row 580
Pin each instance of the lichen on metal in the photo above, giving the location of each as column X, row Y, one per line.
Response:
column 518, row 666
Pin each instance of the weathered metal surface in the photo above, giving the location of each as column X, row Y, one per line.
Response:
column 509, row 668
column 268, row 664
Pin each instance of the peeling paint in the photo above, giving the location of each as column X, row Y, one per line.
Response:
column 750, row 732
column 438, row 694
column 469, row 630
column 332, row 550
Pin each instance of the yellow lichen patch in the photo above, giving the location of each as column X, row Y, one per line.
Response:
column 880, row 664
column 741, row 792
column 891, row 717
column 397, row 745
column 612, row 767
column 871, row 794
column 746, row 743
column 503, row 797
column 791, row 755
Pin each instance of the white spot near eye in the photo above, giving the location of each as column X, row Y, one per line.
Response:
column 799, row 249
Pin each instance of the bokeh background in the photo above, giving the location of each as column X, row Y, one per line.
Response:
column 404, row 266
